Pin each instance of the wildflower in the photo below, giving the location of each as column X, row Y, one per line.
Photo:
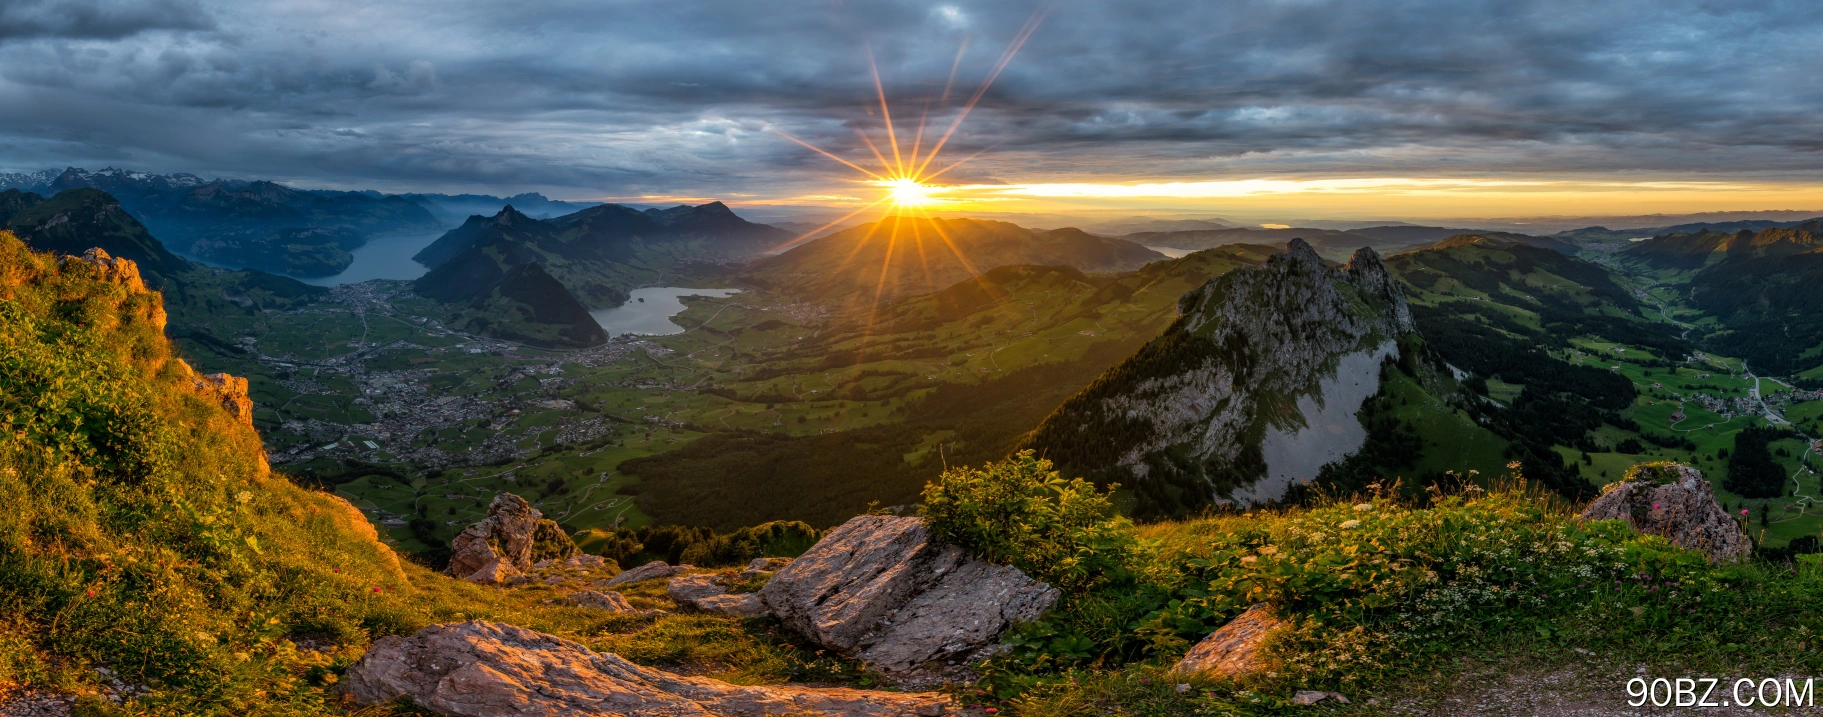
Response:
column 1655, row 506
column 1363, row 507
column 1350, row 524
column 1743, row 511
column 91, row 593
column 376, row 589
column 992, row 710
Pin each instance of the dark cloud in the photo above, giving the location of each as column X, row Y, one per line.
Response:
column 621, row 99
column 96, row 19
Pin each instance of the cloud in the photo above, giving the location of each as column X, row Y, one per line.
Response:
column 593, row 99
column 96, row 19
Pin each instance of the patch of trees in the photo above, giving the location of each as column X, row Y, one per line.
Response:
column 1752, row 472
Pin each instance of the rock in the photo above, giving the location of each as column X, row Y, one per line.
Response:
column 495, row 572
column 483, row 669
column 118, row 270
column 230, row 392
column 1311, row 697
column 763, row 566
column 1233, row 650
column 649, row 571
column 708, row 593
column 506, row 535
column 687, row 589
column 743, row 605
column 605, row 600
column 1674, row 501
column 885, row 590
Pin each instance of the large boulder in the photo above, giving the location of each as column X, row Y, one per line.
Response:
column 1673, row 500
column 513, row 535
column 484, row 669
column 1234, row 649
column 885, row 590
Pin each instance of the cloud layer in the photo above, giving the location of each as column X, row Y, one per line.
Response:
column 622, row 99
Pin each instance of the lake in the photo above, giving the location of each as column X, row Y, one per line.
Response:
column 652, row 316
column 1170, row 252
column 386, row 257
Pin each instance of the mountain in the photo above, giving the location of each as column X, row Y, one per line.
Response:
column 79, row 219
column 240, row 223
column 603, row 251
column 1705, row 247
column 1761, row 286
column 451, row 208
column 1254, row 387
column 589, row 258
column 878, row 262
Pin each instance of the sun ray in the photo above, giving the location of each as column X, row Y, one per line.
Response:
column 876, row 150
column 953, row 66
column 814, row 232
column 886, row 114
column 957, row 163
column 1006, row 57
column 819, row 150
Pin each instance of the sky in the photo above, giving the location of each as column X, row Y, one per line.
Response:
column 1416, row 109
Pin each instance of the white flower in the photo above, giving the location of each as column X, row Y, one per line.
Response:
column 1362, row 507
column 1348, row 524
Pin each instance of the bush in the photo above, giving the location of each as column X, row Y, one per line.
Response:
column 1020, row 512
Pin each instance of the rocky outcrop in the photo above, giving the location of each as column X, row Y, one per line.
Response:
column 885, row 590
column 649, row 571
column 1234, row 649
column 1674, row 501
column 483, row 669
column 1183, row 420
column 118, row 270
column 230, row 392
column 709, row 593
column 504, row 544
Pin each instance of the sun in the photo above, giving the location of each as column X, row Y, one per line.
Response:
column 910, row 193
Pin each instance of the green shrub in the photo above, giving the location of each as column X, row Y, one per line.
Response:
column 1020, row 512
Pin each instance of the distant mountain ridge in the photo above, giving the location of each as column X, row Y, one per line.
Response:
column 451, row 208
column 240, row 222
column 897, row 257
column 1333, row 244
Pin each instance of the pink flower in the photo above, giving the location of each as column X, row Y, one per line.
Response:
column 91, row 593
column 376, row 589
column 1743, row 511
column 991, row 710
column 1655, row 506
column 338, row 570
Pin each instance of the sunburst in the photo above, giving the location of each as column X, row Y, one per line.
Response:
column 907, row 179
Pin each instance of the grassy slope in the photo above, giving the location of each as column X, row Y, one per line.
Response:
column 147, row 536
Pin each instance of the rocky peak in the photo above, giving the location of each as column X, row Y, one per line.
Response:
column 1255, row 354
column 510, row 217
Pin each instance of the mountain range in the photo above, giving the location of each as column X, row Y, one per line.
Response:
column 534, row 280
column 1332, row 244
column 255, row 224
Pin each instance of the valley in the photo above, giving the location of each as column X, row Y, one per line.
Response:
column 707, row 417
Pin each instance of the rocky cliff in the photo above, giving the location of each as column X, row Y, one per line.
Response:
column 1254, row 387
